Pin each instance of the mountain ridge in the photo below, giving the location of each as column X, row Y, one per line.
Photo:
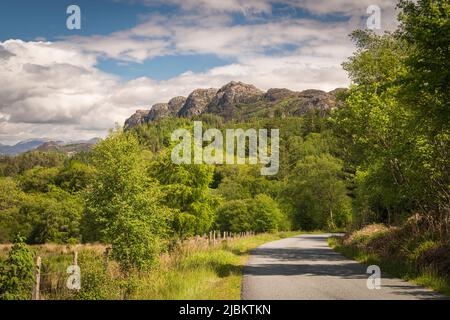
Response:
column 45, row 144
column 238, row 100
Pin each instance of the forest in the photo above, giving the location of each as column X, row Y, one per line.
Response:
column 381, row 157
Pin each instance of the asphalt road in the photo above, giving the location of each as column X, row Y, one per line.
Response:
column 306, row 268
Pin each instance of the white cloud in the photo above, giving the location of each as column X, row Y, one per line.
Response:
column 215, row 6
column 56, row 89
column 47, row 90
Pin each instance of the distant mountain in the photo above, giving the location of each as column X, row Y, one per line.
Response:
column 68, row 148
column 22, row 146
column 44, row 144
column 240, row 101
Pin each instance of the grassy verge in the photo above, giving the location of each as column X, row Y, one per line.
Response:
column 192, row 270
column 214, row 273
column 398, row 266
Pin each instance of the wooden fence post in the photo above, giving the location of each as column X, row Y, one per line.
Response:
column 37, row 282
column 75, row 258
column 106, row 258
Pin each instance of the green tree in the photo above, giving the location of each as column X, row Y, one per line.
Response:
column 38, row 179
column 260, row 214
column 125, row 204
column 318, row 194
column 13, row 165
column 234, row 216
column 11, row 199
column 394, row 127
column 186, row 190
column 425, row 91
column 51, row 217
column 75, row 176
column 265, row 214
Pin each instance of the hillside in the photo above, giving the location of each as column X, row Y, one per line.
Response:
column 22, row 146
column 240, row 101
column 68, row 148
column 47, row 145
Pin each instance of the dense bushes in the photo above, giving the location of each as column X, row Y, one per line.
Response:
column 16, row 273
column 260, row 214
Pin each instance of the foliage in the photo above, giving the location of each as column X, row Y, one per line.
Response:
column 16, row 273
column 394, row 129
column 260, row 214
column 51, row 217
column 318, row 194
column 265, row 214
column 233, row 216
column 11, row 198
column 38, row 179
column 125, row 204
column 186, row 190
column 11, row 166
column 75, row 176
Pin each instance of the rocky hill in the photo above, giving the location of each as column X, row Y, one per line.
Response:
column 68, row 148
column 237, row 100
column 22, row 146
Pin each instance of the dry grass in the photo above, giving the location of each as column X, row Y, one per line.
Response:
column 365, row 233
column 194, row 269
column 412, row 251
column 53, row 248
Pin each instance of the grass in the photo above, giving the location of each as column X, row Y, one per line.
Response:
column 211, row 274
column 194, row 270
column 400, row 268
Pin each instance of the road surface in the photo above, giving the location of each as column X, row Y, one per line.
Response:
column 306, row 268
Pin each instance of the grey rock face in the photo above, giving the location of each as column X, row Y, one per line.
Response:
column 235, row 93
column 176, row 104
column 197, row 102
column 315, row 100
column 278, row 94
column 158, row 111
column 138, row 118
column 232, row 94
column 239, row 100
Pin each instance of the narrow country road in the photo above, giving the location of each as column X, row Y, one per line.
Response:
column 305, row 267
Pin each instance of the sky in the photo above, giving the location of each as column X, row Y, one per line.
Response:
column 130, row 54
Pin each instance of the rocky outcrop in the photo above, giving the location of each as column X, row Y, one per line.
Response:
column 314, row 100
column 231, row 95
column 176, row 104
column 273, row 95
column 158, row 111
column 197, row 102
column 237, row 100
column 138, row 118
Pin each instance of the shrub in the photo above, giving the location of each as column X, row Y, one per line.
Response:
column 16, row 273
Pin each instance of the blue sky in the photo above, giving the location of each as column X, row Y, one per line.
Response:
column 46, row 19
column 130, row 54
